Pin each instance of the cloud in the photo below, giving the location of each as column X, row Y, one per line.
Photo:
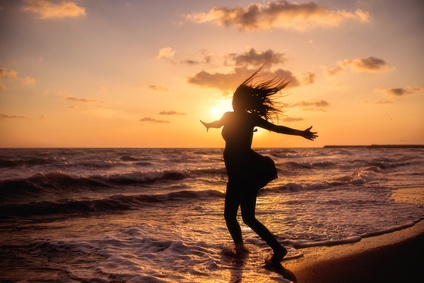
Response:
column 166, row 52
column 27, row 81
column 251, row 57
column 400, row 91
column 329, row 72
column 292, row 119
column 369, row 65
column 190, row 62
column 254, row 58
column 5, row 116
column 171, row 113
column 11, row 75
column 379, row 102
column 223, row 81
column 156, row 87
column 46, row 10
column 8, row 74
column 308, row 78
column 202, row 57
column 278, row 14
column 384, row 101
column 80, row 99
column 242, row 66
column 318, row 105
column 153, row 120
column 228, row 82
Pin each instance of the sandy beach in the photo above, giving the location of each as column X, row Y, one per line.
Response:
column 393, row 257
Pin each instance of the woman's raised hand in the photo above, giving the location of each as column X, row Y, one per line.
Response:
column 307, row 134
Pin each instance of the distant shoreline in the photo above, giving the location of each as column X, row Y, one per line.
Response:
column 377, row 146
column 325, row 146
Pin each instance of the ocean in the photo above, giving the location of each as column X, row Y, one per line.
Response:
column 156, row 215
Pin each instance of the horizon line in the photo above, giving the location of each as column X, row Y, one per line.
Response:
column 200, row 147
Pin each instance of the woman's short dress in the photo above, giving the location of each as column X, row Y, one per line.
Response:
column 249, row 170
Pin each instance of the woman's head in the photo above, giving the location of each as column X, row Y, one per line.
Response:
column 255, row 98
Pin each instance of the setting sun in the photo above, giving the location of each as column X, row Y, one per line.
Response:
column 221, row 106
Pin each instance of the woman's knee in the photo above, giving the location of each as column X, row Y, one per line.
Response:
column 230, row 216
column 249, row 220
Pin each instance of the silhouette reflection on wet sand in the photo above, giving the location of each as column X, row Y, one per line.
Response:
column 239, row 267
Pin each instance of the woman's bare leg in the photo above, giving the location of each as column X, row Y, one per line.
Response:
column 232, row 202
column 248, row 206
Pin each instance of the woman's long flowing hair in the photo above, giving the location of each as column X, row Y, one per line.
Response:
column 256, row 97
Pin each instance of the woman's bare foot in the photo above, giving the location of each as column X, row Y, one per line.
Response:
column 278, row 256
column 241, row 250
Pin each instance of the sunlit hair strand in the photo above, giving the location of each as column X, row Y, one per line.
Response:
column 256, row 97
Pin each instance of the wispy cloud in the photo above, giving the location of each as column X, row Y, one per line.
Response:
column 190, row 62
column 292, row 119
column 8, row 74
column 11, row 75
column 153, row 120
column 202, row 57
column 27, row 81
column 156, row 87
column 251, row 58
column 5, row 116
column 255, row 58
column 381, row 102
column 171, row 113
column 308, row 78
column 81, row 99
column 401, row 91
column 319, row 105
column 278, row 14
column 46, row 10
column 369, row 65
column 166, row 52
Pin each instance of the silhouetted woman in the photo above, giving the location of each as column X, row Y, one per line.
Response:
column 247, row 170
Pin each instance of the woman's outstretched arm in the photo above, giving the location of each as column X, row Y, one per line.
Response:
column 307, row 134
column 215, row 124
column 218, row 123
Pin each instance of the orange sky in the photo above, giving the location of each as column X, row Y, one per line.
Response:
column 107, row 73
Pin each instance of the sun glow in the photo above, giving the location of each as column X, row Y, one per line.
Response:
column 221, row 106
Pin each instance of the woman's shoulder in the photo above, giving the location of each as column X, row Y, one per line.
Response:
column 245, row 116
column 227, row 115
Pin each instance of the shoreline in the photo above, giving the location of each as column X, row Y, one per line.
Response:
column 392, row 257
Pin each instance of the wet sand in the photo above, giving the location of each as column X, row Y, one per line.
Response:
column 393, row 257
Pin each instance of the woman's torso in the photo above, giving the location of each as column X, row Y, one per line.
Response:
column 238, row 131
column 245, row 167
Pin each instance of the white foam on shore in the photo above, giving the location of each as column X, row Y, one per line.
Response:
column 307, row 244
